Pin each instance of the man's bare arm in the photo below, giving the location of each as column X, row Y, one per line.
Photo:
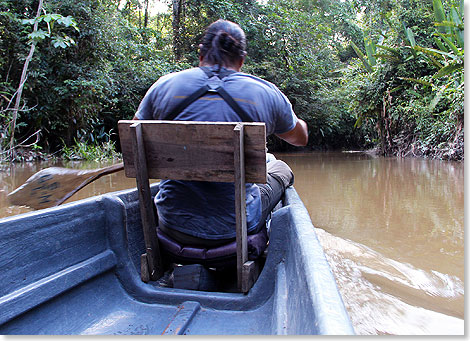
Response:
column 297, row 136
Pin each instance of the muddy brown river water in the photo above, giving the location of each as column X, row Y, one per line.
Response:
column 392, row 230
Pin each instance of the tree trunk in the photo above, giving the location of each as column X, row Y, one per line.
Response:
column 177, row 16
column 146, row 13
column 22, row 82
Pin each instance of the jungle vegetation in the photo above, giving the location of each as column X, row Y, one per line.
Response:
column 364, row 74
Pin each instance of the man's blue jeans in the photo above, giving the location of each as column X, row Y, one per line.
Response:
column 279, row 177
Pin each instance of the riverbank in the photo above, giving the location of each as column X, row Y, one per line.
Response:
column 450, row 152
column 80, row 151
column 453, row 151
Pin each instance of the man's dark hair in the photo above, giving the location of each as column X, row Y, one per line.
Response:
column 224, row 43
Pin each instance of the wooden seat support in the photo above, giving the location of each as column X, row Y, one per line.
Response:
column 151, row 261
column 245, row 269
column 202, row 151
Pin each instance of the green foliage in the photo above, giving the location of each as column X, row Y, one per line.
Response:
column 365, row 61
column 10, row 18
column 361, row 73
column 293, row 46
column 49, row 19
column 91, row 85
column 90, row 152
column 413, row 96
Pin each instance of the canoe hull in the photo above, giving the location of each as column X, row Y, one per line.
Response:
column 74, row 269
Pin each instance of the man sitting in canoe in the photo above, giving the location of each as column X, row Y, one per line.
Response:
column 202, row 213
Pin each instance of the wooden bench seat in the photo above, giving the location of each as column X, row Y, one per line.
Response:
column 202, row 151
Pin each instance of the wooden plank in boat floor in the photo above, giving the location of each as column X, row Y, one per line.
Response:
column 182, row 318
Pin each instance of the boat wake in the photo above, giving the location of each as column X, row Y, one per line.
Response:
column 384, row 296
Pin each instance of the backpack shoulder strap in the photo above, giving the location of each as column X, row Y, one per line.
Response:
column 207, row 88
column 234, row 105
column 186, row 102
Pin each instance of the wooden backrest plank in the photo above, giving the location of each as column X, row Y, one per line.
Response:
column 189, row 150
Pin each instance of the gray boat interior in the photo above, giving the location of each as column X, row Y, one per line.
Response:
column 75, row 269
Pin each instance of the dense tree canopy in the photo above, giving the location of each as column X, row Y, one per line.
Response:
column 361, row 73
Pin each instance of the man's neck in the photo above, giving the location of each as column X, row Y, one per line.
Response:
column 228, row 67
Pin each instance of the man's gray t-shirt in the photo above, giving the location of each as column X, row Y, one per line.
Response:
column 206, row 209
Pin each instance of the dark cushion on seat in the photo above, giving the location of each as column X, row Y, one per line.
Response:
column 218, row 256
